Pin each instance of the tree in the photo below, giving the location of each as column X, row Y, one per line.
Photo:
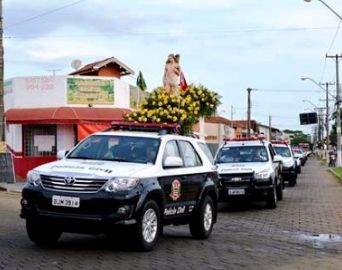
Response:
column 184, row 109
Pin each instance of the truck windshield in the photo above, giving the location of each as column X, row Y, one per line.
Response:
column 245, row 153
column 117, row 148
column 283, row 151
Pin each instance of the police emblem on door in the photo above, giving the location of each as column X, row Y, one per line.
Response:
column 175, row 190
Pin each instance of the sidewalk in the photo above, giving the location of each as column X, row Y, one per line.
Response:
column 16, row 187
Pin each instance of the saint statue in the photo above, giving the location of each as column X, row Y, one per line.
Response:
column 172, row 73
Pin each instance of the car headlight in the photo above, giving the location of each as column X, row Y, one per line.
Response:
column 264, row 174
column 121, row 184
column 33, row 177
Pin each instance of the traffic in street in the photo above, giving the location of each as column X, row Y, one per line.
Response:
column 303, row 232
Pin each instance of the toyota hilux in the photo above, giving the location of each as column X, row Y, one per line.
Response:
column 137, row 176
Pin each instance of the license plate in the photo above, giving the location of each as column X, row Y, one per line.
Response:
column 236, row 191
column 65, row 201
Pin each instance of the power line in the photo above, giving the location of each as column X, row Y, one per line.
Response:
column 43, row 14
column 288, row 90
column 183, row 33
column 335, row 36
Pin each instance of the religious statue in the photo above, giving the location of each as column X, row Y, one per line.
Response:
column 172, row 74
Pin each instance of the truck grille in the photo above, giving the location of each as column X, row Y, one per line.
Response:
column 79, row 184
column 236, row 178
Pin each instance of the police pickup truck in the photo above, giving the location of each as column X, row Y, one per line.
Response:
column 137, row 176
column 289, row 168
column 249, row 168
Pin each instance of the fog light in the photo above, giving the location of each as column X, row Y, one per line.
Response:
column 24, row 202
column 123, row 210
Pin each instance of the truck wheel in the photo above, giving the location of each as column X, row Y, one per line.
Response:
column 42, row 234
column 202, row 222
column 299, row 170
column 271, row 199
column 292, row 180
column 148, row 227
column 280, row 190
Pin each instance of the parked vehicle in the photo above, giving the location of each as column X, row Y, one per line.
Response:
column 249, row 168
column 290, row 165
column 138, row 177
column 299, row 153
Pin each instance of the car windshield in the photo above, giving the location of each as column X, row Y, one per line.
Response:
column 242, row 154
column 297, row 151
column 283, row 151
column 117, row 148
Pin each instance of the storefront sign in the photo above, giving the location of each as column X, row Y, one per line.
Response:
column 6, row 168
column 90, row 91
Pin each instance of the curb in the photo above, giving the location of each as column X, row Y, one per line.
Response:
column 336, row 175
column 10, row 189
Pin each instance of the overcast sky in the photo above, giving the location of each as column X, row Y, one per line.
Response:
column 226, row 45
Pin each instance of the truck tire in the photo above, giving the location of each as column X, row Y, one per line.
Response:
column 293, row 180
column 41, row 233
column 280, row 190
column 149, row 226
column 271, row 199
column 202, row 222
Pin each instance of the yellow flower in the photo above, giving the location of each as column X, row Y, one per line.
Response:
column 174, row 119
column 160, row 104
column 211, row 106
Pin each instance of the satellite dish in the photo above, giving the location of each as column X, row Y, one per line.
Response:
column 76, row 64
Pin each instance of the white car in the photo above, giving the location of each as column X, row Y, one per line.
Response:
column 249, row 168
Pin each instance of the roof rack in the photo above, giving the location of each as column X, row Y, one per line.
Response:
column 279, row 142
column 161, row 128
column 252, row 138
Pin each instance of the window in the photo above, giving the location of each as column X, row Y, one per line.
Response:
column 117, row 148
column 237, row 154
column 40, row 140
column 190, row 156
column 171, row 150
column 207, row 151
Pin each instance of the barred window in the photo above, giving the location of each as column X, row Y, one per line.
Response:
column 40, row 140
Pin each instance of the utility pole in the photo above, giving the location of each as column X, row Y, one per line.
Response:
column 327, row 84
column 270, row 127
column 2, row 122
column 249, row 112
column 338, row 117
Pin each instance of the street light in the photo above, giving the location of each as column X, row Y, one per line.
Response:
column 327, row 7
column 320, row 114
column 326, row 104
column 319, row 85
column 338, row 95
column 306, row 100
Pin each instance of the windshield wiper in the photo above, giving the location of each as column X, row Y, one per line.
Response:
column 80, row 157
column 120, row 160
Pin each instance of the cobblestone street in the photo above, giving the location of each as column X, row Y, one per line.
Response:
column 303, row 232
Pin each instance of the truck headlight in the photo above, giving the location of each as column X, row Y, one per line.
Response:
column 33, row 178
column 264, row 174
column 121, row 184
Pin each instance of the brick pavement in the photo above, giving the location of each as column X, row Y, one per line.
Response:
column 249, row 237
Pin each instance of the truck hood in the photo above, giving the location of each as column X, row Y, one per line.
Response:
column 288, row 161
column 252, row 167
column 93, row 168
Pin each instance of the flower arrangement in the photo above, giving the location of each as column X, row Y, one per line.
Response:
column 184, row 109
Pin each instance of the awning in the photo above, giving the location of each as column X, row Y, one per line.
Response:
column 64, row 115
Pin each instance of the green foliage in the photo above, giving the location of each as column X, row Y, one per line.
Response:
column 185, row 109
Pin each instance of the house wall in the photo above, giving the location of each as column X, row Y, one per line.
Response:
column 48, row 91
column 109, row 71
